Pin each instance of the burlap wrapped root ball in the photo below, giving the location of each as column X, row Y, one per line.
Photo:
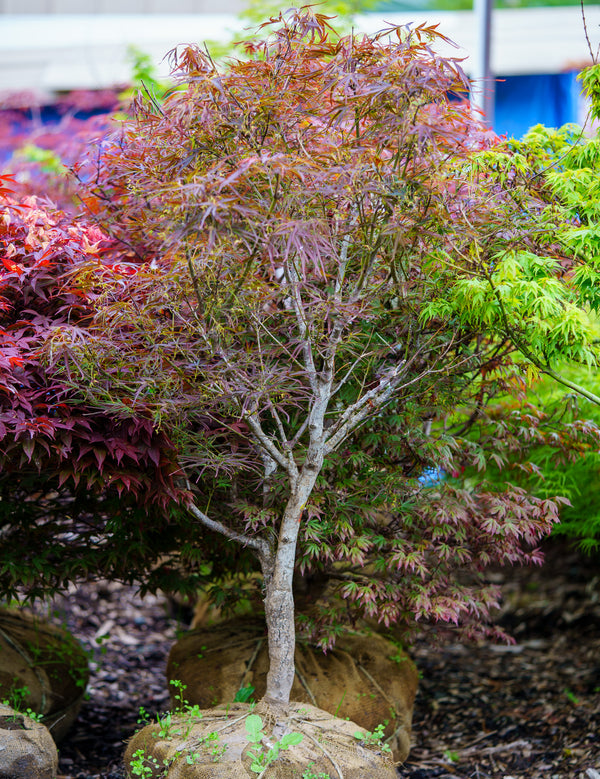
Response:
column 364, row 678
column 42, row 667
column 27, row 750
column 219, row 746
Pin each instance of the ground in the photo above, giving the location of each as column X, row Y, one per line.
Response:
column 526, row 711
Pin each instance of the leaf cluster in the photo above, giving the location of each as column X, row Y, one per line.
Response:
column 76, row 485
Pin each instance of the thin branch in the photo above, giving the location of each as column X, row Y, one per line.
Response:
column 359, row 410
column 268, row 445
column 292, row 278
column 377, row 398
column 365, row 355
column 526, row 352
column 570, row 384
column 299, row 433
column 587, row 37
column 279, row 424
column 371, row 397
column 260, row 324
column 152, row 99
column 255, row 543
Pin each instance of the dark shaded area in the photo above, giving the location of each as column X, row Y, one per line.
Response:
column 528, row 710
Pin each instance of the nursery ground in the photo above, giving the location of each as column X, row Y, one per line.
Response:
column 526, row 711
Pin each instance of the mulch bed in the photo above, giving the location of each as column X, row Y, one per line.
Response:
column 505, row 712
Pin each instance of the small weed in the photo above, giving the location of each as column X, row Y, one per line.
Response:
column 339, row 706
column 451, row 757
column 143, row 766
column 244, row 694
column 182, row 704
column 192, row 759
column 215, row 750
column 167, row 727
column 374, row 738
column 309, row 773
column 143, row 716
column 572, row 697
column 15, row 700
column 261, row 756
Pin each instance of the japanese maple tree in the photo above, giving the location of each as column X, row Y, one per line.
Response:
column 299, row 230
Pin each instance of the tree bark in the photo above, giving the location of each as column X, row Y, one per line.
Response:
column 279, row 597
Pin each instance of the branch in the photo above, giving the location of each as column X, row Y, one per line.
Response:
column 570, row 384
column 544, row 368
column 291, row 276
column 358, row 411
column 256, row 543
column 299, row 433
column 377, row 397
column 288, row 465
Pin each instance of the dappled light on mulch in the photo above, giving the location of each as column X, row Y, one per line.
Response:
column 482, row 712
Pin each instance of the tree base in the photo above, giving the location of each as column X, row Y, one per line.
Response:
column 218, row 744
column 364, row 678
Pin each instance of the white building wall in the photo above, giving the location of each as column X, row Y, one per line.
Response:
column 119, row 6
column 54, row 51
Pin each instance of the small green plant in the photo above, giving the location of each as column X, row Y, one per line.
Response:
column 182, row 704
column 374, row 738
column 572, row 697
column 261, row 757
column 26, row 712
column 193, row 758
column 142, row 765
column 244, row 694
column 309, row 773
column 16, row 696
column 339, row 706
column 167, row 727
column 215, row 749
column 451, row 756
column 15, row 700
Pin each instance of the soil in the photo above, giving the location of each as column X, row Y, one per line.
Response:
column 525, row 711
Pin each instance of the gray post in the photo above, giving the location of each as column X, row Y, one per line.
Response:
column 482, row 88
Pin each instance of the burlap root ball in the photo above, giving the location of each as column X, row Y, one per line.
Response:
column 27, row 750
column 365, row 678
column 42, row 668
column 187, row 750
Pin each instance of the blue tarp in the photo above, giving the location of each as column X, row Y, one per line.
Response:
column 551, row 99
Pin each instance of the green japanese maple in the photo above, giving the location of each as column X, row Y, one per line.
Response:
column 310, row 306
column 564, row 162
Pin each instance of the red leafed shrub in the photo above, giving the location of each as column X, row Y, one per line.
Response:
column 82, row 492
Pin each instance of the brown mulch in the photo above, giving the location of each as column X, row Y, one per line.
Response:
column 527, row 711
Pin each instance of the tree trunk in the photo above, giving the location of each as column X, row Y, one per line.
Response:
column 279, row 598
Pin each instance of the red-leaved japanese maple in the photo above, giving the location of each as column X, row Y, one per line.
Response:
column 289, row 219
column 68, row 473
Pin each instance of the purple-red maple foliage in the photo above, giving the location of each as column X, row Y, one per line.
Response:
column 83, row 493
